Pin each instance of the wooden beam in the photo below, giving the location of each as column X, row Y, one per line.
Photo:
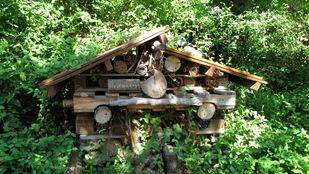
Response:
column 88, row 104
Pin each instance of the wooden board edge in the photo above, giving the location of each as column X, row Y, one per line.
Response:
column 101, row 57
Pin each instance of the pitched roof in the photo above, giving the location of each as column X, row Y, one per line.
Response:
column 235, row 72
column 100, row 58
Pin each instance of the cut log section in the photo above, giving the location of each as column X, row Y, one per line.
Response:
column 193, row 69
column 142, row 69
column 172, row 64
column 158, row 54
column 102, row 114
column 120, row 66
column 206, row 111
column 157, row 45
column 155, row 86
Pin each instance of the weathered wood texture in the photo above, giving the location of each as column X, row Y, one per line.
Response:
column 209, row 63
column 88, row 104
column 155, row 86
column 124, row 85
column 100, row 58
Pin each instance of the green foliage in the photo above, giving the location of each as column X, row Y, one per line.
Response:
column 267, row 133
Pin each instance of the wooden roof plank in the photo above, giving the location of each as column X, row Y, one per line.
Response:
column 236, row 72
column 100, row 58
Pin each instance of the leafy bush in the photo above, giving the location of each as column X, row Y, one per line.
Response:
column 268, row 131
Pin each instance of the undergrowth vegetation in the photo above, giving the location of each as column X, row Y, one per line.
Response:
column 267, row 133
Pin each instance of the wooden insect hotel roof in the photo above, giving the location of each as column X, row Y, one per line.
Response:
column 254, row 80
column 100, row 58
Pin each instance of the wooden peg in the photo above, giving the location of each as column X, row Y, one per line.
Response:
column 256, row 86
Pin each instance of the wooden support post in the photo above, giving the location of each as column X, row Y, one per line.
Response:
column 158, row 55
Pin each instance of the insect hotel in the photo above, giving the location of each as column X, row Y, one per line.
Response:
column 144, row 75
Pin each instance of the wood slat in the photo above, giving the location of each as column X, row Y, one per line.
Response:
column 100, row 58
column 88, row 104
column 209, row 63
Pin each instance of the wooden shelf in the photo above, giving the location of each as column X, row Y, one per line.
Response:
column 137, row 75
